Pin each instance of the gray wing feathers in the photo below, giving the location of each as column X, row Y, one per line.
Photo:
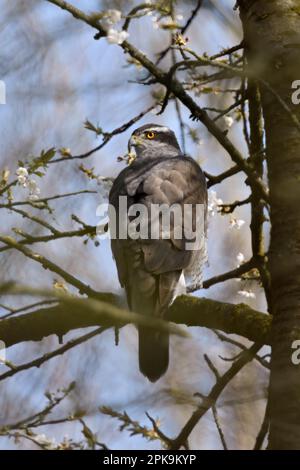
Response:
column 150, row 269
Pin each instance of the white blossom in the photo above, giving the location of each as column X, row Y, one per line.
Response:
column 113, row 16
column 22, row 171
column 240, row 258
column 43, row 440
column 33, row 187
column 229, row 121
column 213, row 203
column 22, row 176
column 116, row 37
column 236, row 223
column 179, row 17
column 247, row 293
column 34, row 190
column 22, row 180
column 66, row 443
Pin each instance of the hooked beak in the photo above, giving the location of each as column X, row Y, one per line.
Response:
column 134, row 141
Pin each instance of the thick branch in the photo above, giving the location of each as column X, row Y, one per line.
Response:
column 191, row 311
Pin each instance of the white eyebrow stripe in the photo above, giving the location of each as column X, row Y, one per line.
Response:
column 157, row 129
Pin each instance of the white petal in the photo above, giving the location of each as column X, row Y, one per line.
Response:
column 229, row 121
column 21, row 171
column 114, row 16
column 116, row 37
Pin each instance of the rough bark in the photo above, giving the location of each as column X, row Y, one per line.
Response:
column 272, row 39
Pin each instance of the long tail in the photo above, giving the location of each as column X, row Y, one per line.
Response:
column 153, row 353
column 154, row 345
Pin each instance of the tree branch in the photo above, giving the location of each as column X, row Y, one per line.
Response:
column 79, row 313
column 175, row 87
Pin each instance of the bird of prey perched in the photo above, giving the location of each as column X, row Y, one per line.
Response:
column 153, row 271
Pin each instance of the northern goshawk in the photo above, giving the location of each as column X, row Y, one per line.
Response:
column 154, row 270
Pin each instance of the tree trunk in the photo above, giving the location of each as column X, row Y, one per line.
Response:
column 272, row 41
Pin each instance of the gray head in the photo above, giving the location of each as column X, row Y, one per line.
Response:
column 152, row 141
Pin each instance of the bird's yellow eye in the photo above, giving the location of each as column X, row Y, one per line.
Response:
column 150, row 135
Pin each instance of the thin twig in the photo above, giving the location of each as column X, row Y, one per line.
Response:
column 237, row 272
column 220, row 431
column 234, row 342
column 45, row 200
column 30, row 239
column 27, row 307
column 213, row 396
column 228, row 51
column 47, row 264
column 182, row 31
column 46, row 357
column 216, row 179
column 107, row 137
